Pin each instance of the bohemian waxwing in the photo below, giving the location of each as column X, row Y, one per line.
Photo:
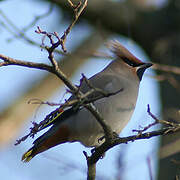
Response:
column 124, row 74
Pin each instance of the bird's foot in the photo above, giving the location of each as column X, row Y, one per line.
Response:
column 101, row 139
column 115, row 134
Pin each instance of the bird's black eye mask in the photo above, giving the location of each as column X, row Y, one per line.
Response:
column 131, row 63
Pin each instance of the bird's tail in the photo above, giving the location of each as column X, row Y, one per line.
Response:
column 58, row 134
column 27, row 156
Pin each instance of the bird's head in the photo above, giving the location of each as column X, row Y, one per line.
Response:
column 128, row 58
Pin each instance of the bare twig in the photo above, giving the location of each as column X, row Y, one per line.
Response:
column 55, row 70
column 169, row 78
column 77, row 12
column 161, row 121
column 38, row 18
column 39, row 101
column 11, row 61
column 16, row 32
column 21, row 33
column 166, row 68
column 157, row 121
column 99, row 151
column 61, row 40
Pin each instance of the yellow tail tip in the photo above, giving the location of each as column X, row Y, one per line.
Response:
column 27, row 156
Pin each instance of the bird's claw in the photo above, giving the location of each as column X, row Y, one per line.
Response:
column 101, row 139
column 115, row 135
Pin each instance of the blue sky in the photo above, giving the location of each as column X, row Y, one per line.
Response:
column 67, row 161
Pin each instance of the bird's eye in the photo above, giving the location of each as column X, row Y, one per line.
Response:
column 129, row 62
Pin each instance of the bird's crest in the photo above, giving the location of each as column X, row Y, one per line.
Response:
column 123, row 53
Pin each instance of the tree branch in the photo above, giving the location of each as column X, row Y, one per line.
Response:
column 167, row 68
column 114, row 141
column 11, row 61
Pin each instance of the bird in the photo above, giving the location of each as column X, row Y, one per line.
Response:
column 123, row 74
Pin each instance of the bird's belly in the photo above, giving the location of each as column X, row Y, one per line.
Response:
column 88, row 130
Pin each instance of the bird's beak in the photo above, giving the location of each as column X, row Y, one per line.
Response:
column 141, row 69
column 147, row 65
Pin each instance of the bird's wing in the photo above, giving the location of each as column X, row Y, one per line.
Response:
column 103, row 83
column 107, row 83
